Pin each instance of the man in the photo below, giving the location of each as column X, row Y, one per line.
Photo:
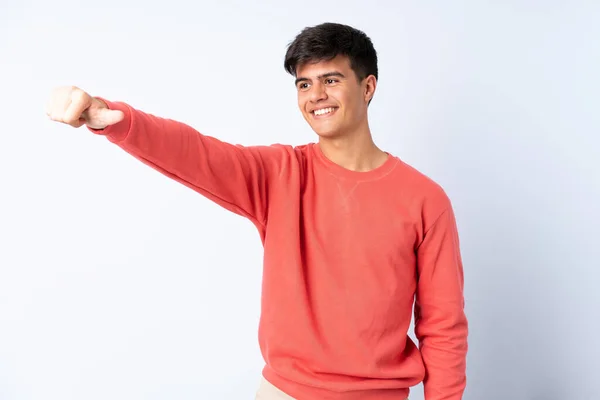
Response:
column 353, row 237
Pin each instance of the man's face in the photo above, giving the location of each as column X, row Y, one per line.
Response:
column 331, row 98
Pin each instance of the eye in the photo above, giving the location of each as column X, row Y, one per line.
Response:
column 330, row 81
column 303, row 86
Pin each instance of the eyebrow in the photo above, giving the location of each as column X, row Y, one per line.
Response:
column 322, row 76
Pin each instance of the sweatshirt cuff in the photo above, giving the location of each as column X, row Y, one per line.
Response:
column 119, row 131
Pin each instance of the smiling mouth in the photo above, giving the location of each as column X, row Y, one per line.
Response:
column 324, row 112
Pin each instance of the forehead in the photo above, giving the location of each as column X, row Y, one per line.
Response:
column 314, row 69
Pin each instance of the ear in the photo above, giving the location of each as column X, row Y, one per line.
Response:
column 369, row 89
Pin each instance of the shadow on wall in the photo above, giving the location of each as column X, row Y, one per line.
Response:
column 520, row 270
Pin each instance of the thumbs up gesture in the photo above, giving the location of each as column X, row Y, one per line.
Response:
column 73, row 106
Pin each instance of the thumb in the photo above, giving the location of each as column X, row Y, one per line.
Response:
column 111, row 117
column 100, row 118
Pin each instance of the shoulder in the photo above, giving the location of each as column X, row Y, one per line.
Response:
column 420, row 184
column 426, row 196
column 298, row 154
column 277, row 153
column 281, row 160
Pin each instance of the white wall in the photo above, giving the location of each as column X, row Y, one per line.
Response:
column 118, row 283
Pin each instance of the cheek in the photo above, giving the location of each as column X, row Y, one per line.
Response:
column 343, row 97
column 354, row 103
column 301, row 104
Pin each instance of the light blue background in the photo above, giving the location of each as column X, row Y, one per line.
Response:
column 117, row 283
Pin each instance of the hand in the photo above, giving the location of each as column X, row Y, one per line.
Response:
column 72, row 106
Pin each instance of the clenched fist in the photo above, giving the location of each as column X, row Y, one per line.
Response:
column 73, row 106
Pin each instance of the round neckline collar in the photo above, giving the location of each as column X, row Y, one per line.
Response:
column 340, row 171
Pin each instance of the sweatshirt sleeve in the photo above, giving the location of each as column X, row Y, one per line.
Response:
column 236, row 177
column 440, row 321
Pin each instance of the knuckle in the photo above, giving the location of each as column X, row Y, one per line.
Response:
column 70, row 120
column 78, row 95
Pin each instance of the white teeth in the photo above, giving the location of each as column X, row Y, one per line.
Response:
column 323, row 111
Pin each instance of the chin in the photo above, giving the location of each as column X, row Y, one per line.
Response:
column 326, row 133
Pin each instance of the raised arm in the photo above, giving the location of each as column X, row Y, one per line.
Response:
column 239, row 178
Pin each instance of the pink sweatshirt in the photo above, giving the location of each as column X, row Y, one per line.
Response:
column 345, row 256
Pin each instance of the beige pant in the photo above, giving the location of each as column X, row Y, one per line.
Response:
column 266, row 391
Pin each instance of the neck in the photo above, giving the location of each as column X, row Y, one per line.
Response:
column 355, row 152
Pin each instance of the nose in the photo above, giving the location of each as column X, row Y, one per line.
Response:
column 318, row 92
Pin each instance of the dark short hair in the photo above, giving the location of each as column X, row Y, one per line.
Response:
column 328, row 40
